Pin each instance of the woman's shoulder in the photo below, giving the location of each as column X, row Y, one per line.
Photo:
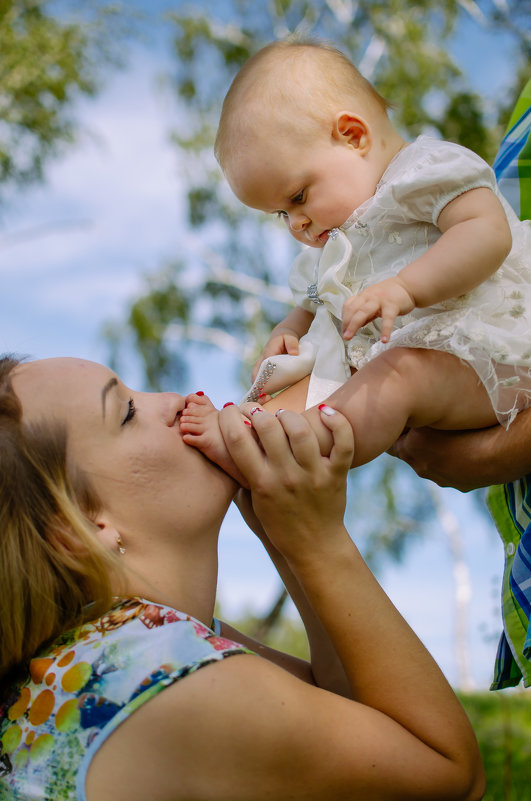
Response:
column 79, row 688
column 225, row 730
column 114, row 654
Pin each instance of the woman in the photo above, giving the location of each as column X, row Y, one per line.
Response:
column 102, row 498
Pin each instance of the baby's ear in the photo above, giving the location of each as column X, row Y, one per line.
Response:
column 352, row 130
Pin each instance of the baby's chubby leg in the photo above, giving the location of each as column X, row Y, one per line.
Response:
column 406, row 388
column 402, row 388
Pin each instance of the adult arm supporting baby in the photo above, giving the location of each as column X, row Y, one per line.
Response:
column 467, row 460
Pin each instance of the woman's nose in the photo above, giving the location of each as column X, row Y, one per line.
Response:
column 172, row 404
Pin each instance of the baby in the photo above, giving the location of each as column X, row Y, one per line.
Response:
column 413, row 293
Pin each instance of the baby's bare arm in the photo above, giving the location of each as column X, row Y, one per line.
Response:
column 285, row 336
column 298, row 321
column 475, row 240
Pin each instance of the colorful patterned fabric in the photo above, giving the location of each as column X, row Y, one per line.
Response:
column 510, row 504
column 79, row 689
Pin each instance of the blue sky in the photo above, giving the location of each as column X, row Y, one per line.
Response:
column 75, row 249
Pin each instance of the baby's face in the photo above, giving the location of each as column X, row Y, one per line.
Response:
column 313, row 182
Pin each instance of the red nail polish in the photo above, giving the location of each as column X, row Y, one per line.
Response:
column 229, row 403
column 199, row 393
column 248, row 423
column 263, row 395
column 321, row 406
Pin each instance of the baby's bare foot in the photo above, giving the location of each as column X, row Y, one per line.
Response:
column 200, row 428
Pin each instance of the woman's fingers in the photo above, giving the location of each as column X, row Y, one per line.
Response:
column 302, row 441
column 342, row 451
column 242, row 446
column 286, row 443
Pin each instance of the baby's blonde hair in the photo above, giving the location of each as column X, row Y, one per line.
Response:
column 300, row 82
column 54, row 573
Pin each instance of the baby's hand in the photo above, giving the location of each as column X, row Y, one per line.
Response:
column 386, row 299
column 282, row 341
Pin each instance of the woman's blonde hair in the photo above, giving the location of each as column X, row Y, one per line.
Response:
column 299, row 78
column 54, row 573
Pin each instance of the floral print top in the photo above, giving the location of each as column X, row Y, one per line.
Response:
column 79, row 689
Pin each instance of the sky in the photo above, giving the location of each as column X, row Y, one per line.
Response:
column 75, row 249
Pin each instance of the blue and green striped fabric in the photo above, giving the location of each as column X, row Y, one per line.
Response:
column 512, row 165
column 510, row 504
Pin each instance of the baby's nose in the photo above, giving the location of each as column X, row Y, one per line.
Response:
column 297, row 222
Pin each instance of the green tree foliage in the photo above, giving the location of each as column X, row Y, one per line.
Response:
column 46, row 62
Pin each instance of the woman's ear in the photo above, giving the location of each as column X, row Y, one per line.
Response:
column 353, row 131
column 108, row 535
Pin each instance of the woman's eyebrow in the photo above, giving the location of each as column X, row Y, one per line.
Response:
column 112, row 382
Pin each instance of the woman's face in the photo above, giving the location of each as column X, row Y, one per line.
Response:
column 128, row 444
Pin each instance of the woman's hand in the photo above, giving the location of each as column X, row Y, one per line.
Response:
column 298, row 495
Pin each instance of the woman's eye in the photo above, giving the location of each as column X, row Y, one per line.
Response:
column 131, row 411
column 281, row 214
column 298, row 197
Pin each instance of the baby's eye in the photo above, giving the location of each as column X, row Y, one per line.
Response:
column 131, row 411
column 281, row 214
column 298, row 197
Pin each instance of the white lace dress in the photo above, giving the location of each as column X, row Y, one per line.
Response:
column 489, row 327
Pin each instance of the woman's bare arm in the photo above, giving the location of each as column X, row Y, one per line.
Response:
column 326, row 669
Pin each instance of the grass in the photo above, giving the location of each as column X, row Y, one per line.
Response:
column 502, row 722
